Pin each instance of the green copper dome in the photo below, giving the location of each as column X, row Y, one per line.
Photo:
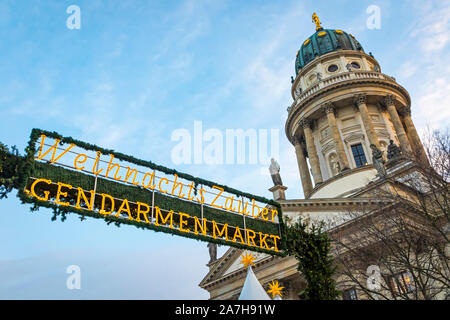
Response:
column 322, row 42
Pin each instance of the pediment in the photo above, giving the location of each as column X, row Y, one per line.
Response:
column 237, row 265
column 383, row 133
column 328, row 146
column 228, row 265
column 355, row 136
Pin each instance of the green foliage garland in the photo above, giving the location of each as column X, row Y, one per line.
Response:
column 36, row 133
column 27, row 167
column 10, row 165
column 312, row 250
column 132, row 193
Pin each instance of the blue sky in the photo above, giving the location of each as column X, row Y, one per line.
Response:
column 138, row 70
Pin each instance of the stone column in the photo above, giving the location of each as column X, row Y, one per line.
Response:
column 312, row 152
column 413, row 136
column 389, row 102
column 361, row 100
column 342, row 157
column 303, row 168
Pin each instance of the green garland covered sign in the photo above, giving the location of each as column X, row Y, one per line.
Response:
column 72, row 176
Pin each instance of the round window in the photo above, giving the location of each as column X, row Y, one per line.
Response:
column 355, row 65
column 333, row 68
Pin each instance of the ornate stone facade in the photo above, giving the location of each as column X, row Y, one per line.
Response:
column 381, row 115
column 340, row 124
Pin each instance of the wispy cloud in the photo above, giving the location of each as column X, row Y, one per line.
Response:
column 432, row 28
column 429, row 29
column 434, row 110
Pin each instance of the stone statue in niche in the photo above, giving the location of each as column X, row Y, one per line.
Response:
column 378, row 161
column 334, row 164
column 274, row 170
column 212, row 252
column 393, row 151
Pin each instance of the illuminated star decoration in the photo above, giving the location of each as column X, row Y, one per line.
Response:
column 275, row 289
column 247, row 260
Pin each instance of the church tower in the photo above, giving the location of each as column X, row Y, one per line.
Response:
column 353, row 135
column 343, row 104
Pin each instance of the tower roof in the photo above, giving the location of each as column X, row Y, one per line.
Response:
column 324, row 41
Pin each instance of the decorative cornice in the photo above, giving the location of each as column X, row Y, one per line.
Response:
column 352, row 128
column 360, row 99
column 328, row 146
column 324, row 203
column 354, row 136
column 382, row 133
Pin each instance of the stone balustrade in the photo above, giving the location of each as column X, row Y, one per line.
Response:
column 341, row 77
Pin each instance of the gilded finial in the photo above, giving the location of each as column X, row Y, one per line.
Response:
column 316, row 20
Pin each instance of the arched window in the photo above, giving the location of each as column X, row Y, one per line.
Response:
column 358, row 155
column 333, row 68
column 355, row 65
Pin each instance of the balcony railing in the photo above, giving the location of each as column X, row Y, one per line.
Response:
column 347, row 76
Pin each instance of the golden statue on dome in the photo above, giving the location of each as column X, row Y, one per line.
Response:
column 316, row 20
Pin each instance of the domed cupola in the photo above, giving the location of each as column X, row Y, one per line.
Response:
column 322, row 42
